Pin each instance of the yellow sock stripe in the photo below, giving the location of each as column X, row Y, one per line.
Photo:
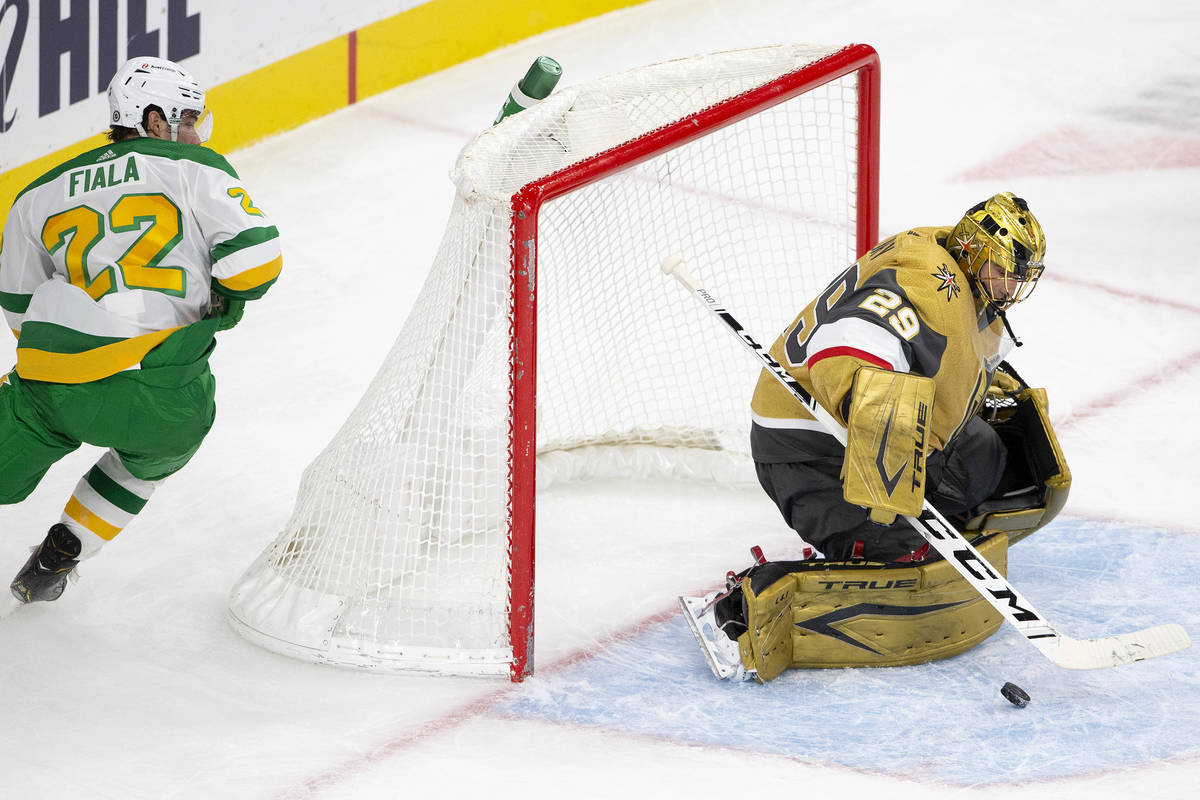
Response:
column 80, row 513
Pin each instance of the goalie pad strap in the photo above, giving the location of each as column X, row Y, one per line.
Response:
column 887, row 436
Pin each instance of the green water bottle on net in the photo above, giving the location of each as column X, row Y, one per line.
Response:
column 536, row 86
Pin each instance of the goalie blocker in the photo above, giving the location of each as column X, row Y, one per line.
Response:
column 886, row 440
column 816, row 613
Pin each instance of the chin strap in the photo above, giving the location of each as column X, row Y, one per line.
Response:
column 975, row 290
column 1007, row 327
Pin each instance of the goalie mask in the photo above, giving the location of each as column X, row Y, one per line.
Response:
column 1000, row 245
column 147, row 81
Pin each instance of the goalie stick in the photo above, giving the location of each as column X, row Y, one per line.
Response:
column 1108, row 651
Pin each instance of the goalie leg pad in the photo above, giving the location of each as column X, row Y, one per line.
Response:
column 887, row 439
column 818, row 614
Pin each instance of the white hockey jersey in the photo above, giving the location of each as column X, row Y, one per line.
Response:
column 107, row 255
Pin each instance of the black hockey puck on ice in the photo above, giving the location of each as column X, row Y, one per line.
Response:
column 1015, row 695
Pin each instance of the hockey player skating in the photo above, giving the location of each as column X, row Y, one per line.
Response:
column 116, row 270
column 904, row 348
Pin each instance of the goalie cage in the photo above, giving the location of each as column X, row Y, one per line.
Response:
column 411, row 545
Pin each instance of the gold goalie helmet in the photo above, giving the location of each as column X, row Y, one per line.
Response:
column 1003, row 233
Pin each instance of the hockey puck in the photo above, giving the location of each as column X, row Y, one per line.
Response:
column 1015, row 695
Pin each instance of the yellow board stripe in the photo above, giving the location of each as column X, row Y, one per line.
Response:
column 81, row 514
column 432, row 37
column 90, row 365
column 254, row 277
column 279, row 96
column 316, row 81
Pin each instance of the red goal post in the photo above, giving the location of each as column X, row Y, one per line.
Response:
column 412, row 543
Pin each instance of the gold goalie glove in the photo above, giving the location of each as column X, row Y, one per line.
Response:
column 887, row 438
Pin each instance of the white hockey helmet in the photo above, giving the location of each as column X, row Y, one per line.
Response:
column 148, row 81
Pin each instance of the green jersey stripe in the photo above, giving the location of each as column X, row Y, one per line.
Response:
column 247, row 238
column 16, row 303
column 60, row 339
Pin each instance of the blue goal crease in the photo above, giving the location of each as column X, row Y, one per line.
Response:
column 944, row 721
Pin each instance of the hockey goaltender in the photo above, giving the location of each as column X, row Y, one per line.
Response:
column 906, row 348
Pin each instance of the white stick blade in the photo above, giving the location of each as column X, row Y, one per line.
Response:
column 1125, row 648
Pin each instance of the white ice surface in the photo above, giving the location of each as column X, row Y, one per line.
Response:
column 133, row 686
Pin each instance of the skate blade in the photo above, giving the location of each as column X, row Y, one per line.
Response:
column 693, row 607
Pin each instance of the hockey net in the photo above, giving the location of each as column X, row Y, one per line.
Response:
column 546, row 345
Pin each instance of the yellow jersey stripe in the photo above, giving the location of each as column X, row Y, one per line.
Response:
column 90, row 365
column 254, row 277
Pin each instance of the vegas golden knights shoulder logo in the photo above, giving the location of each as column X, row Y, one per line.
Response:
column 948, row 282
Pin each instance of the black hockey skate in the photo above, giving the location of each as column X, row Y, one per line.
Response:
column 44, row 576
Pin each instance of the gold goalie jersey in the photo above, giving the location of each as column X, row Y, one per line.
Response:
column 905, row 306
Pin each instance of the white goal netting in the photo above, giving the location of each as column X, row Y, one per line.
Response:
column 410, row 526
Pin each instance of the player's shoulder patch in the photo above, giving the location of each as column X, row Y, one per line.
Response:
column 926, row 271
column 940, row 267
column 947, row 281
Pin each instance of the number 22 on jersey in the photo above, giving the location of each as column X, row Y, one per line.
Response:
column 81, row 228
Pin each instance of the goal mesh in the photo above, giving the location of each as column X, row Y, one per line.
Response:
column 545, row 328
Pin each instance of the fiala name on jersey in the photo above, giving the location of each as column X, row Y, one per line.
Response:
column 101, row 176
